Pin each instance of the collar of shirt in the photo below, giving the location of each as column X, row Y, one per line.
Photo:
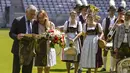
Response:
column 27, row 25
column 75, row 25
column 27, row 19
column 112, row 17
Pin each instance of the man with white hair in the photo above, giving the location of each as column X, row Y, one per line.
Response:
column 20, row 26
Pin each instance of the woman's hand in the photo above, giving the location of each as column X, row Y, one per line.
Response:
column 73, row 40
column 20, row 36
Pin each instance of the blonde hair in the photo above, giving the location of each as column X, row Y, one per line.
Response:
column 47, row 22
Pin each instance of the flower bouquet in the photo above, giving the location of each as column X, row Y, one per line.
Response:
column 55, row 37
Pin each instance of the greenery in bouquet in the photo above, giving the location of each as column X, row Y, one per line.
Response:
column 55, row 37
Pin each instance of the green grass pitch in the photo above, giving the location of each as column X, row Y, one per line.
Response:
column 6, row 57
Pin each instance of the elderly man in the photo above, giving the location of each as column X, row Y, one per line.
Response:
column 122, row 38
column 20, row 26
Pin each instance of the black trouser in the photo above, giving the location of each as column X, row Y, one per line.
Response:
column 16, row 66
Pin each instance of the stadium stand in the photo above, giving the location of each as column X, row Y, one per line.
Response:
column 57, row 10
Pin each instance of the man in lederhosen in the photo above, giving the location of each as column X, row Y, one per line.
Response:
column 122, row 38
column 107, row 23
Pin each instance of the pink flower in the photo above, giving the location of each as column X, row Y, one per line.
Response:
column 51, row 31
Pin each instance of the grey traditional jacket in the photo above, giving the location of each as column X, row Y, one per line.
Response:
column 119, row 36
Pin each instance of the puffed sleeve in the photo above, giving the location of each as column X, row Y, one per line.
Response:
column 100, row 27
column 65, row 26
column 84, row 28
column 52, row 25
column 104, row 23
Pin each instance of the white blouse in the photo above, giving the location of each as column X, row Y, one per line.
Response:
column 88, row 28
column 41, row 28
column 73, row 25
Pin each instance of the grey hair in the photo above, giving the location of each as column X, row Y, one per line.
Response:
column 31, row 7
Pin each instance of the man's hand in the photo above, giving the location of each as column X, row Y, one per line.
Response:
column 116, row 50
column 20, row 36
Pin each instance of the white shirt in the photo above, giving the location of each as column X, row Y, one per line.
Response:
column 125, row 38
column 41, row 28
column 112, row 21
column 27, row 24
column 99, row 26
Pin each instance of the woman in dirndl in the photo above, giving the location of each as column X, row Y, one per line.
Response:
column 90, row 52
column 73, row 30
column 45, row 56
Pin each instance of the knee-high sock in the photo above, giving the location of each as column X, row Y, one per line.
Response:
column 115, row 62
column 104, row 61
column 80, row 68
column 112, row 61
column 72, row 65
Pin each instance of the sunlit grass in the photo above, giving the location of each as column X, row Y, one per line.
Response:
column 6, row 57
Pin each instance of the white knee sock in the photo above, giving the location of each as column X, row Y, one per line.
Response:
column 72, row 65
column 115, row 62
column 104, row 61
column 112, row 61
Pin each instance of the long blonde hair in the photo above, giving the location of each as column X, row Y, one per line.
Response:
column 47, row 22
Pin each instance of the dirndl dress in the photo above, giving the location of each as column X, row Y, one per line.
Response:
column 71, row 58
column 90, row 50
column 71, row 32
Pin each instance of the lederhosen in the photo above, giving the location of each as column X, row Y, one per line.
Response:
column 105, row 35
column 124, row 50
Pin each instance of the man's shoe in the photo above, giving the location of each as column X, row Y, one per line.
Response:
column 86, row 71
column 72, row 67
column 103, row 69
column 112, row 71
column 79, row 71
